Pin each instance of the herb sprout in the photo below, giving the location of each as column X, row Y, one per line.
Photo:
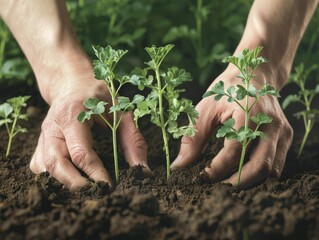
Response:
column 247, row 62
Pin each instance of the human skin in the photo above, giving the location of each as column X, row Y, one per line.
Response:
column 278, row 26
column 65, row 78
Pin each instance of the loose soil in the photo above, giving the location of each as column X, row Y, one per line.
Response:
column 184, row 207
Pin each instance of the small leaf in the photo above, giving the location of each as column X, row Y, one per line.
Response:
column 291, row 99
column 241, row 92
column 261, row 118
column 5, row 110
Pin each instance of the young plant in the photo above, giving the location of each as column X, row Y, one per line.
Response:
column 163, row 103
column 104, row 70
column 305, row 97
column 247, row 63
column 10, row 114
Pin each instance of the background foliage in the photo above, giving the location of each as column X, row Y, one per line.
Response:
column 203, row 32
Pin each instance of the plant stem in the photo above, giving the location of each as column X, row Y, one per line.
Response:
column 308, row 127
column 245, row 142
column 11, row 136
column 162, row 122
column 242, row 157
column 114, row 136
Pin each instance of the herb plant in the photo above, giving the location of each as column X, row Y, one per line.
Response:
column 104, row 70
column 305, row 96
column 163, row 103
column 10, row 114
column 247, row 63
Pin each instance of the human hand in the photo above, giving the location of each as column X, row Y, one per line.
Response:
column 65, row 145
column 267, row 157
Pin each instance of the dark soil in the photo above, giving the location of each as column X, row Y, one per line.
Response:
column 38, row 207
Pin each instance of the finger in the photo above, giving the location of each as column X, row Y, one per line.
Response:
column 133, row 144
column 36, row 164
column 52, row 153
column 284, row 144
column 191, row 147
column 225, row 162
column 260, row 163
column 79, row 143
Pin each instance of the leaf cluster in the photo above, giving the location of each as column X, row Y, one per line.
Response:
column 164, row 85
column 242, row 134
column 11, row 110
column 107, row 59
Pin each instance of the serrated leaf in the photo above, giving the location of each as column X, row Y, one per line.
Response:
column 261, row 118
column 268, row 90
column 176, row 76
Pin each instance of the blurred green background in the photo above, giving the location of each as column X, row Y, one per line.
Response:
column 203, row 31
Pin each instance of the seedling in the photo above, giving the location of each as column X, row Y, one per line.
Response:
column 10, row 114
column 163, row 103
column 305, row 97
column 104, row 70
column 247, row 62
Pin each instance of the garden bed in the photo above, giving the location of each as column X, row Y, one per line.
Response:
column 38, row 207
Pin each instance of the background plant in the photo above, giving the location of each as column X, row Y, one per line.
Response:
column 163, row 103
column 247, row 62
column 10, row 114
column 104, row 67
column 305, row 97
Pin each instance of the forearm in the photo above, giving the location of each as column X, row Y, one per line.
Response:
column 278, row 26
column 44, row 32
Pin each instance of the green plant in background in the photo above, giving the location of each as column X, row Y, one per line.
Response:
column 104, row 70
column 305, row 96
column 213, row 29
column 4, row 36
column 247, row 62
column 10, row 114
column 13, row 65
column 163, row 103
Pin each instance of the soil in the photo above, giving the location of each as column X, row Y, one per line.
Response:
column 184, row 207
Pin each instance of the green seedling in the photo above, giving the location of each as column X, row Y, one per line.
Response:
column 247, row 62
column 305, row 97
column 104, row 70
column 163, row 103
column 10, row 114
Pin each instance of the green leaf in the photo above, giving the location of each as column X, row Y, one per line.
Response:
column 291, row 99
column 5, row 110
column 241, row 92
column 230, row 122
column 227, row 129
column 5, row 121
column 268, row 90
column 261, row 118
column 84, row 116
column 176, row 76
column 158, row 54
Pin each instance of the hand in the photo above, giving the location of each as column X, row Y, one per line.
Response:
column 65, row 144
column 267, row 157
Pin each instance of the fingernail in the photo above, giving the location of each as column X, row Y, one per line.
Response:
column 176, row 162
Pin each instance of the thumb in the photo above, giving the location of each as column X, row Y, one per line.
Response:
column 133, row 144
column 191, row 147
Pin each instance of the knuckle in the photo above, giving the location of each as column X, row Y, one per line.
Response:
column 264, row 167
column 79, row 157
column 138, row 140
column 50, row 164
column 276, row 172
